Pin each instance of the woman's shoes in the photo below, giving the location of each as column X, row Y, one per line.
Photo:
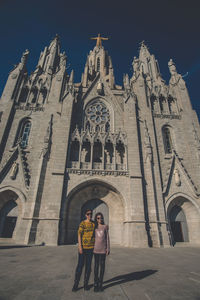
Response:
column 96, row 286
column 101, row 287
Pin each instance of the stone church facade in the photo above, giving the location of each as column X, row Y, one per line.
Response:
column 130, row 151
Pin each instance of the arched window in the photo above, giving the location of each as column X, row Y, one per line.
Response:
column 74, row 153
column 25, row 134
column 172, row 106
column 107, row 127
column 98, row 64
column 167, row 140
column 33, row 95
column 23, row 95
column 42, row 96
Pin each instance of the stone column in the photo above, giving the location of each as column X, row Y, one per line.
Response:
column 91, row 155
column 79, row 154
column 103, row 156
column 114, row 157
column 126, row 157
column 134, row 225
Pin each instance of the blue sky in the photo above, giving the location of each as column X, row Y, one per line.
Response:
column 171, row 29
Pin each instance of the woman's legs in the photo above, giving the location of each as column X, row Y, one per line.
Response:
column 102, row 270
column 96, row 271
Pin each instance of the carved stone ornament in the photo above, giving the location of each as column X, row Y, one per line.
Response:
column 13, row 76
column 59, row 78
column 177, row 177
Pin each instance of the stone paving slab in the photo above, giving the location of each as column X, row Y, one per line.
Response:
column 41, row 273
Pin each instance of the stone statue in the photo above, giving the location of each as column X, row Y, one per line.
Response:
column 14, row 170
column 107, row 157
column 100, row 88
column 172, row 67
column 136, row 66
column 177, row 177
column 24, row 57
column 83, row 154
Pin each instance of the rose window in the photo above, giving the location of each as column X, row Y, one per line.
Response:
column 98, row 113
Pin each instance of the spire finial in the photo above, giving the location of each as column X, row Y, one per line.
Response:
column 99, row 39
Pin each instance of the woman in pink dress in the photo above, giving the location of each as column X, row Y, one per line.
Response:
column 101, row 249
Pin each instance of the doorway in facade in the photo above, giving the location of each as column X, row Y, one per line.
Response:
column 100, row 197
column 8, row 218
column 96, row 205
column 178, row 225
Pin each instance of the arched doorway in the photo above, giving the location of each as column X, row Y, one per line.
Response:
column 8, row 219
column 184, row 219
column 178, row 225
column 99, row 196
column 10, row 213
column 96, row 205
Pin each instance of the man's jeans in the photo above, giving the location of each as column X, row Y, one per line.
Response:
column 84, row 258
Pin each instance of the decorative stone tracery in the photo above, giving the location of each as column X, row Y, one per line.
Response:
column 98, row 150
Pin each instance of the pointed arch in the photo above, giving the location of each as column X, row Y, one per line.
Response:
column 23, row 133
column 188, row 220
column 78, row 196
column 24, row 94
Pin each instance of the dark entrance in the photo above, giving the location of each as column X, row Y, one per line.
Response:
column 177, row 231
column 97, row 206
column 178, row 225
column 8, row 219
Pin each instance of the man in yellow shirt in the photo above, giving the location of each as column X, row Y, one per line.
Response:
column 85, row 247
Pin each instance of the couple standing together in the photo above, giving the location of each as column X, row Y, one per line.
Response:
column 93, row 238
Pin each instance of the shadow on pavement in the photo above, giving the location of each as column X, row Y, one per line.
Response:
column 12, row 246
column 19, row 246
column 128, row 277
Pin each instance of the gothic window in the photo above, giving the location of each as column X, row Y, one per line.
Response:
column 120, row 152
column 154, row 103
column 23, row 95
column 86, row 151
column 98, row 64
column 108, row 153
column 171, row 102
column 24, row 136
column 97, row 115
column 97, row 152
column 107, row 127
column 42, row 96
column 167, row 140
column 74, row 153
column 33, row 96
column 162, row 106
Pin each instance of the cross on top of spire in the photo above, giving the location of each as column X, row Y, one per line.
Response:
column 99, row 39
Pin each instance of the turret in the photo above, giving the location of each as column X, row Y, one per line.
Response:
column 149, row 65
column 49, row 58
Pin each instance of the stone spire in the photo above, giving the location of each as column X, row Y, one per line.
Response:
column 144, row 52
column 98, row 63
column 148, row 63
column 50, row 57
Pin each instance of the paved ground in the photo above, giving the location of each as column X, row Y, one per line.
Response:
column 139, row 274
